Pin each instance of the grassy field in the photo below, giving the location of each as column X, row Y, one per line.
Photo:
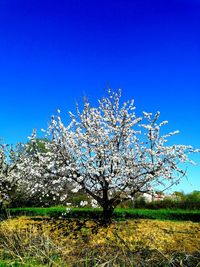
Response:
column 44, row 241
column 56, row 212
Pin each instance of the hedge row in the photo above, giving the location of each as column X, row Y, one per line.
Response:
column 119, row 214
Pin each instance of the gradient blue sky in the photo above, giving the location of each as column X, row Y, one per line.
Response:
column 52, row 53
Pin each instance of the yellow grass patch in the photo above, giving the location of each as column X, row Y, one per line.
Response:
column 162, row 235
column 71, row 240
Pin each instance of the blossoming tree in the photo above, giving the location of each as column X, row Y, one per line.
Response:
column 3, row 168
column 109, row 152
column 8, row 181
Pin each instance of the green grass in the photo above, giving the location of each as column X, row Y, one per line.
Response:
column 162, row 214
column 14, row 263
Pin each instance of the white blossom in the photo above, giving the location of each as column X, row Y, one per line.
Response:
column 83, row 203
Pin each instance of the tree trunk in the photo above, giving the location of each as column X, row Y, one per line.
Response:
column 107, row 215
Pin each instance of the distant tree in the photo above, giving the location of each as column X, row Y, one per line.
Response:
column 9, row 182
column 3, row 173
column 179, row 196
column 194, row 195
column 37, row 175
column 109, row 153
column 193, row 200
column 16, row 185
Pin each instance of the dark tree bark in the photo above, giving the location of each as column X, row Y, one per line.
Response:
column 107, row 214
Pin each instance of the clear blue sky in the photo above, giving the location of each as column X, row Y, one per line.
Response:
column 52, row 53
